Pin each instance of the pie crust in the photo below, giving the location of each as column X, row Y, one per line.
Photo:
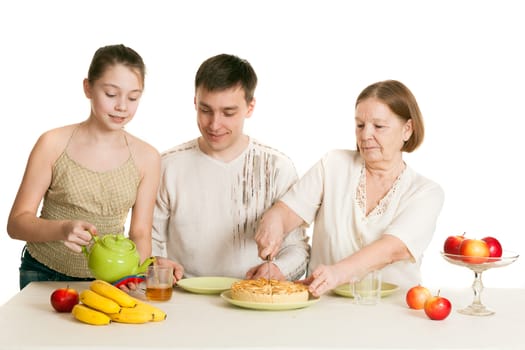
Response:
column 273, row 291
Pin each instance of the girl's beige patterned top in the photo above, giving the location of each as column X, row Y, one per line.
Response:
column 77, row 193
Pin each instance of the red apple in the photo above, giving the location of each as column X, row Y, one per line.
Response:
column 416, row 297
column 437, row 307
column 452, row 244
column 63, row 299
column 474, row 251
column 495, row 250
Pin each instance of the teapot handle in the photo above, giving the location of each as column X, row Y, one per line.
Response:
column 94, row 238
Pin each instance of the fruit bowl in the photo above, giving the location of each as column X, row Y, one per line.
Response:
column 481, row 265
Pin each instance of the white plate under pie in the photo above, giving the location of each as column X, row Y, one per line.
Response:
column 226, row 295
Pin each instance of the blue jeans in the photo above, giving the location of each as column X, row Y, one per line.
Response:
column 32, row 270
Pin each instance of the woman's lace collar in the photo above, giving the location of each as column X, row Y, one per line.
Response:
column 383, row 204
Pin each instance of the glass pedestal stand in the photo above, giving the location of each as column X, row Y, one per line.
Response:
column 477, row 308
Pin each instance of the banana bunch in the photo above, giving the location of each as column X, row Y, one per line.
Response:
column 103, row 303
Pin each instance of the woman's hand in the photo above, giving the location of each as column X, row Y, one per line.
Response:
column 274, row 225
column 323, row 279
column 375, row 256
column 265, row 270
column 269, row 237
column 77, row 234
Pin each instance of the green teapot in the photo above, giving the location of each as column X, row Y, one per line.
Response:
column 113, row 257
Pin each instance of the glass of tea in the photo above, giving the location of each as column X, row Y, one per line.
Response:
column 159, row 283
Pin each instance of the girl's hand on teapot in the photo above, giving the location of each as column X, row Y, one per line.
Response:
column 77, row 234
column 178, row 270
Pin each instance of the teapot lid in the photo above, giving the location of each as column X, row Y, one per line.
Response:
column 118, row 243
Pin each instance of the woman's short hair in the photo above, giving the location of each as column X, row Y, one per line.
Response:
column 401, row 102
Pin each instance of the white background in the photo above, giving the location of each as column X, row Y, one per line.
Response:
column 463, row 60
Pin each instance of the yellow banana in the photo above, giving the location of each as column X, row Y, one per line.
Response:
column 110, row 291
column 98, row 302
column 157, row 314
column 91, row 316
column 132, row 315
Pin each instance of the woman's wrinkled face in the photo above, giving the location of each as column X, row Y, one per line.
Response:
column 380, row 134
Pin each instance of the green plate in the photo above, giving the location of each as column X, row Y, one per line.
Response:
column 226, row 295
column 206, row 285
column 386, row 289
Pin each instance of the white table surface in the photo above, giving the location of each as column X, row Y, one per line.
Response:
column 195, row 321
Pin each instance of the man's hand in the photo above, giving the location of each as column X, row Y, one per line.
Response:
column 178, row 269
column 262, row 271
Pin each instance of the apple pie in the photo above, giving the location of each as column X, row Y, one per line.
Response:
column 269, row 291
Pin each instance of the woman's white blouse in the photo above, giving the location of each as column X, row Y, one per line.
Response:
column 328, row 196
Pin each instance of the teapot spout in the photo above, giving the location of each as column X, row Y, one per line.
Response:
column 144, row 266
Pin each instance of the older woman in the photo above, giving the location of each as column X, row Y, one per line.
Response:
column 370, row 209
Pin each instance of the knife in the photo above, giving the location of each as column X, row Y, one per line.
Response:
column 269, row 283
column 268, row 261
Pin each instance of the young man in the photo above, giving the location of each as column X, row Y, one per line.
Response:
column 215, row 188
